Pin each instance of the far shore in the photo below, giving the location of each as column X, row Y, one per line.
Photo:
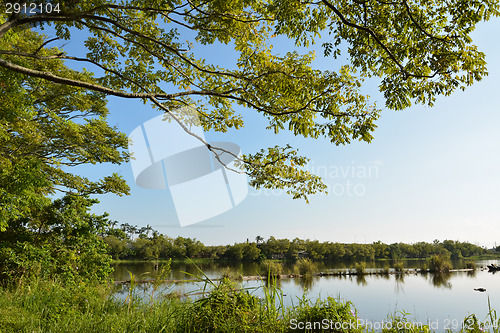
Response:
column 291, row 276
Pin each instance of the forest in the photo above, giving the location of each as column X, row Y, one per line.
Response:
column 131, row 242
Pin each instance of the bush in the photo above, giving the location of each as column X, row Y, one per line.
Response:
column 437, row 263
column 399, row 266
column 330, row 309
column 65, row 246
column 470, row 265
column 360, row 268
column 304, row 267
column 272, row 268
column 225, row 309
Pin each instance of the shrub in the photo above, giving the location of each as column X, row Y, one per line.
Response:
column 65, row 246
column 225, row 309
column 304, row 267
column 437, row 263
column 360, row 268
column 329, row 310
column 470, row 265
column 399, row 266
column 272, row 268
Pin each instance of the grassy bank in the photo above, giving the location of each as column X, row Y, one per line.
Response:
column 486, row 256
column 52, row 307
column 49, row 306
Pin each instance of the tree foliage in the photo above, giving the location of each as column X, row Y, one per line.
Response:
column 159, row 246
column 153, row 51
column 53, row 116
column 45, row 130
column 60, row 239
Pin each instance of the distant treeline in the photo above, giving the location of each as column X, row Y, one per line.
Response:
column 130, row 242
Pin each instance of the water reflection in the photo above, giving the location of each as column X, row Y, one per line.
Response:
column 361, row 280
column 471, row 274
column 399, row 280
column 306, row 282
column 375, row 294
column 375, row 271
column 440, row 280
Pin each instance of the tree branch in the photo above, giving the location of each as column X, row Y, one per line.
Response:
column 372, row 33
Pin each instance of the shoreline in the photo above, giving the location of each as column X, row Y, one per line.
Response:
column 293, row 276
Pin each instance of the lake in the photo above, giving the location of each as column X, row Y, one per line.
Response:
column 442, row 300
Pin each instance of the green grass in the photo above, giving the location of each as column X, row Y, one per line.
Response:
column 360, row 268
column 485, row 256
column 50, row 306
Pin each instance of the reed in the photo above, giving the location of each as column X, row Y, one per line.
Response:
column 437, row 263
column 399, row 266
column 272, row 269
column 360, row 268
column 304, row 266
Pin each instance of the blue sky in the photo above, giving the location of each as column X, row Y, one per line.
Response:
column 429, row 173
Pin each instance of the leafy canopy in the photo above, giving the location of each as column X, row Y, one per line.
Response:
column 45, row 129
column 146, row 50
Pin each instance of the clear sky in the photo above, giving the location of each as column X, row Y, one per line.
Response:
column 429, row 173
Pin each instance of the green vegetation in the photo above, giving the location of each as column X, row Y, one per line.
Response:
column 45, row 129
column 469, row 264
column 50, row 306
column 153, row 52
column 386, row 270
column 399, row 266
column 439, row 263
column 304, row 266
column 271, row 268
column 360, row 268
column 128, row 242
column 55, row 254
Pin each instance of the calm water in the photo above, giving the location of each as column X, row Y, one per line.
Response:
column 444, row 300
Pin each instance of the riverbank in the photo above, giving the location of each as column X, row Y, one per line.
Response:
column 225, row 260
column 49, row 306
column 292, row 276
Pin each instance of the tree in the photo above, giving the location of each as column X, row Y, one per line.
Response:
column 46, row 128
column 117, row 247
column 58, row 239
column 250, row 251
column 235, row 252
column 259, row 239
column 420, row 50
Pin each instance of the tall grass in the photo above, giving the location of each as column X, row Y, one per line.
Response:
column 271, row 269
column 438, row 263
column 469, row 264
column 304, row 266
column 399, row 266
column 50, row 306
column 360, row 268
